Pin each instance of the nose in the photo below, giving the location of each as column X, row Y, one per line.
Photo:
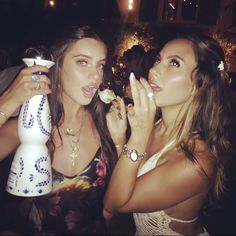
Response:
column 94, row 74
column 154, row 71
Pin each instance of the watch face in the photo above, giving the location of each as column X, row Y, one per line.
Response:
column 134, row 156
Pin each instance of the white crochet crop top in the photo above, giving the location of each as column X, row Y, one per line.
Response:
column 156, row 223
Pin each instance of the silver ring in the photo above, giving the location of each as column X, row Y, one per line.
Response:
column 150, row 95
column 120, row 116
column 38, row 87
column 131, row 110
column 35, row 78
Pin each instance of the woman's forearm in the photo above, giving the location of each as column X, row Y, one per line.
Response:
column 124, row 178
column 7, row 107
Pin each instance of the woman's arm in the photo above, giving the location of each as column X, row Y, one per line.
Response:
column 21, row 90
column 8, row 138
column 169, row 183
column 117, row 123
column 141, row 119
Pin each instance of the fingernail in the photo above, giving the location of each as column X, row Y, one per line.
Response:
column 40, row 73
column 132, row 77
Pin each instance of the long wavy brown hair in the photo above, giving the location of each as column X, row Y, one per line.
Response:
column 97, row 109
column 207, row 114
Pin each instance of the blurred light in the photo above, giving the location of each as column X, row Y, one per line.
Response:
column 74, row 4
column 52, row 3
column 228, row 43
column 129, row 41
column 130, row 5
column 172, row 6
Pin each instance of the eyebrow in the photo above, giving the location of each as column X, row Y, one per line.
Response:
column 175, row 56
column 171, row 56
column 86, row 56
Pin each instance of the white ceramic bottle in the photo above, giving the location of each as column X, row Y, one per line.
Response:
column 30, row 173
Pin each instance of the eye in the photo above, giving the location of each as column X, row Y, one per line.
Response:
column 101, row 66
column 82, row 62
column 174, row 62
column 157, row 60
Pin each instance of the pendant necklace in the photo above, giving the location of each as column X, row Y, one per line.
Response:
column 74, row 155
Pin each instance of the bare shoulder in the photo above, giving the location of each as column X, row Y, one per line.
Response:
column 205, row 158
column 197, row 172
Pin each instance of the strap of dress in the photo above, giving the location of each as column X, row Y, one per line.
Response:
column 163, row 150
column 183, row 221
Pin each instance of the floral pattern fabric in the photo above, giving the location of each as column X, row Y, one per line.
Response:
column 75, row 206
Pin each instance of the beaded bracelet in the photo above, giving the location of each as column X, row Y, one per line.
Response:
column 133, row 154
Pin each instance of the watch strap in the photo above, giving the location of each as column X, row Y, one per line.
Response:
column 133, row 154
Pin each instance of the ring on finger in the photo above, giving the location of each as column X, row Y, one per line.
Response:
column 150, row 95
column 37, row 87
column 120, row 116
column 35, row 78
column 131, row 110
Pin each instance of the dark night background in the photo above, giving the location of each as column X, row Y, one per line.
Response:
column 29, row 22
column 25, row 23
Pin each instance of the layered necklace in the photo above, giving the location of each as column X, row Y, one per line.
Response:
column 74, row 142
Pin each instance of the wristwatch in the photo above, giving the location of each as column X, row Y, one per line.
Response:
column 133, row 154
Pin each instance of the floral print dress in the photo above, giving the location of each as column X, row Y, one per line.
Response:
column 75, row 206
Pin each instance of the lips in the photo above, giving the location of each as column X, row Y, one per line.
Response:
column 89, row 90
column 154, row 86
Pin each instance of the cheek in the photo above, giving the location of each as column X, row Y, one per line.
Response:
column 182, row 84
column 178, row 89
column 101, row 76
column 71, row 81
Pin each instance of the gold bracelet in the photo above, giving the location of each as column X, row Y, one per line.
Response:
column 4, row 115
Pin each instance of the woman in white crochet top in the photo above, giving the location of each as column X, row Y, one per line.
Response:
column 170, row 165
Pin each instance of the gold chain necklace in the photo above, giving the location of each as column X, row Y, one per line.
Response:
column 74, row 142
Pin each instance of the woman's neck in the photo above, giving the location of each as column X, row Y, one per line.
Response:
column 72, row 109
column 170, row 116
column 73, row 113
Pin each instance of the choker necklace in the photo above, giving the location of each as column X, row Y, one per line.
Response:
column 74, row 142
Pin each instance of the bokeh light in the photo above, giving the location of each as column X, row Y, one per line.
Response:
column 134, row 35
column 228, row 43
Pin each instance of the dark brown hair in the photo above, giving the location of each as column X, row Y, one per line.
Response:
column 208, row 114
column 64, row 41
